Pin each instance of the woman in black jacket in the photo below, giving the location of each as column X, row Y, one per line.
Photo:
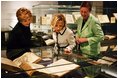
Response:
column 20, row 37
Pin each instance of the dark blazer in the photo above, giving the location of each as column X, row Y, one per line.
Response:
column 19, row 41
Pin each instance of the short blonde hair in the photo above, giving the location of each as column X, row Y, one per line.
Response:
column 23, row 13
column 58, row 17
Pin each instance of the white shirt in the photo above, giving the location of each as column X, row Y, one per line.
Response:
column 65, row 38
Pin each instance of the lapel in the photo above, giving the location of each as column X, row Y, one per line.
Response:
column 86, row 24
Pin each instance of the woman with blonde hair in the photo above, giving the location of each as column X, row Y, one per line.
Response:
column 20, row 37
column 63, row 36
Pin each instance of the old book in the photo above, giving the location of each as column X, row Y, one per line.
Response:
column 109, row 37
column 49, row 41
column 49, row 18
column 46, row 51
column 115, row 48
column 103, row 18
column 9, row 65
column 102, row 61
column 27, row 57
column 46, row 54
column 69, row 19
column 113, row 20
column 103, row 48
column 109, row 59
column 56, row 69
column 14, row 65
column 30, row 68
column 106, row 60
column 43, row 20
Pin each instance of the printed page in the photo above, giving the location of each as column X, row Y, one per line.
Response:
column 61, row 67
column 49, row 41
column 110, row 37
column 69, row 18
column 27, row 57
column 8, row 62
column 103, row 48
column 103, row 18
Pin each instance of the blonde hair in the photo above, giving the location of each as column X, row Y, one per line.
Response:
column 58, row 17
column 23, row 13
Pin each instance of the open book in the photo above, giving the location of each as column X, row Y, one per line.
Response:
column 106, row 60
column 115, row 48
column 9, row 65
column 27, row 57
column 69, row 18
column 109, row 37
column 56, row 69
column 49, row 41
column 103, row 48
column 103, row 18
column 15, row 64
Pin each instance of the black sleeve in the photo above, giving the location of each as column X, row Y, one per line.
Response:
column 14, row 53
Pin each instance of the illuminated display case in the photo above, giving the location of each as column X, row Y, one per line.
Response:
column 43, row 14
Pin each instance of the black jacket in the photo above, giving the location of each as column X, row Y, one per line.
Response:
column 19, row 41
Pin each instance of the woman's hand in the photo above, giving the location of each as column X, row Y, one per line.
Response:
column 77, row 40
column 81, row 40
column 67, row 51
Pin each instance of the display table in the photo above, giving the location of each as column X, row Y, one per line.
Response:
column 87, row 67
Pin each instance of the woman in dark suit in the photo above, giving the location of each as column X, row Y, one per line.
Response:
column 20, row 36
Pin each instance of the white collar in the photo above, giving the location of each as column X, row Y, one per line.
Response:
column 62, row 31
